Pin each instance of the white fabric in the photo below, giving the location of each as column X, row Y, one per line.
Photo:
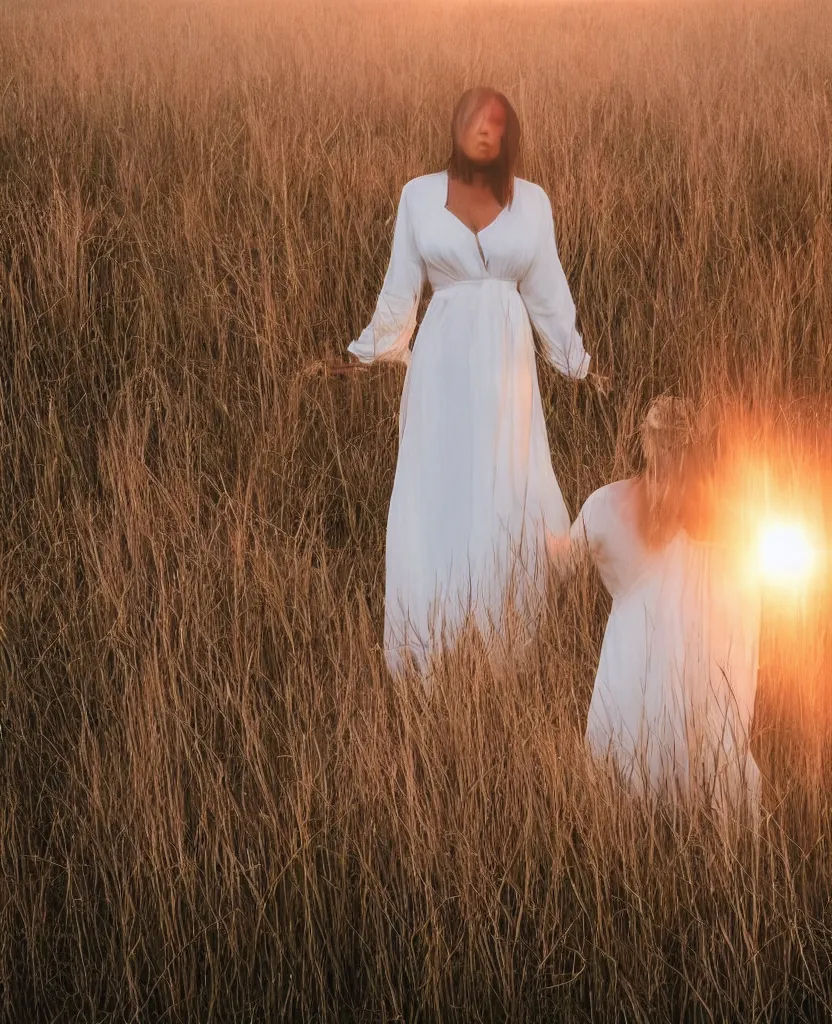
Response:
column 474, row 490
column 674, row 693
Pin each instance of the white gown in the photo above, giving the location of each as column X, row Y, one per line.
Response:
column 674, row 694
column 474, row 490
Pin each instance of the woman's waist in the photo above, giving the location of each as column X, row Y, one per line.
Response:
column 504, row 285
column 479, row 312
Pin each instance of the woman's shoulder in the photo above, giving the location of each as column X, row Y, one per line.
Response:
column 618, row 490
column 424, row 182
column 531, row 191
column 613, row 501
column 427, row 184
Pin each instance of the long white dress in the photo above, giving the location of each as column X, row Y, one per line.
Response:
column 474, row 490
column 674, row 693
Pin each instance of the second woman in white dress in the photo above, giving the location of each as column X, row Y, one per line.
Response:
column 474, row 492
column 674, row 692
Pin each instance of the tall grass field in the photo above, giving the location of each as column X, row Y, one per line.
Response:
column 215, row 804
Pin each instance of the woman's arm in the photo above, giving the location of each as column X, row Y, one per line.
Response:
column 387, row 337
column 548, row 300
column 568, row 551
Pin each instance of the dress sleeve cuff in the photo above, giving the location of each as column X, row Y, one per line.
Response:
column 365, row 353
column 583, row 367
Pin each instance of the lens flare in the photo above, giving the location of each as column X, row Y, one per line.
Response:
column 786, row 553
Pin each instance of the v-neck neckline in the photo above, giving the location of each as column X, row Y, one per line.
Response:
column 476, row 234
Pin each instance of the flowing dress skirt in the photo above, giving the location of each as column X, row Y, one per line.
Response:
column 474, row 490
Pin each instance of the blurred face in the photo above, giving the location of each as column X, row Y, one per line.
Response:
column 481, row 139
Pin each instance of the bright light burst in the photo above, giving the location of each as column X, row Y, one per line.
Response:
column 786, row 553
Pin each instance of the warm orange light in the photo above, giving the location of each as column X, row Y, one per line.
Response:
column 785, row 552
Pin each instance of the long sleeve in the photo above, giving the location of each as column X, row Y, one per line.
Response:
column 546, row 294
column 387, row 337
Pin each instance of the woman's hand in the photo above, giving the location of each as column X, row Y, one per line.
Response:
column 354, row 364
column 602, row 385
column 343, row 369
column 324, row 368
column 559, row 550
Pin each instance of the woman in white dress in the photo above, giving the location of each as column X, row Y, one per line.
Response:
column 674, row 693
column 474, row 492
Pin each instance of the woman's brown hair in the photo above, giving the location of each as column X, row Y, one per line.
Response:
column 501, row 173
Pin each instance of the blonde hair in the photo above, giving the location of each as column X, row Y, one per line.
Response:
column 671, row 439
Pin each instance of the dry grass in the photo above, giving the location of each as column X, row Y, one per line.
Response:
column 215, row 805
